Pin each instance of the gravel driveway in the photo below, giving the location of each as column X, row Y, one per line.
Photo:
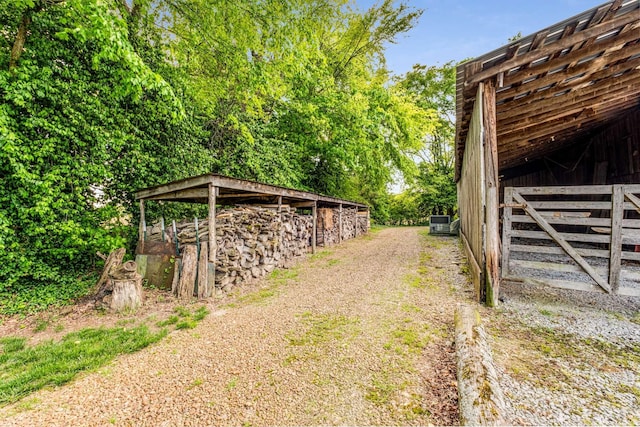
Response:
column 359, row 334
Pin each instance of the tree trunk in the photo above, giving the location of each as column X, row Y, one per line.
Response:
column 127, row 294
column 111, row 264
column 21, row 38
column 480, row 397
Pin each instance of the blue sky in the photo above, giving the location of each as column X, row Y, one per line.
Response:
column 459, row 29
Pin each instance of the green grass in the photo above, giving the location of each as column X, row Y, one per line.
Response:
column 184, row 318
column 25, row 369
column 322, row 328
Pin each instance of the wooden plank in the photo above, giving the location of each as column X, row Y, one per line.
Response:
column 553, row 250
column 507, row 215
column 599, row 253
column 592, row 222
column 553, row 266
column 476, row 272
column 550, row 49
column 189, row 193
column 563, row 243
column 578, row 205
column 554, row 283
column 627, row 239
column 552, row 219
column 566, row 190
column 572, row 237
column 492, row 226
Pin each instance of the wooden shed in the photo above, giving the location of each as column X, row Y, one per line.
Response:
column 548, row 156
column 348, row 219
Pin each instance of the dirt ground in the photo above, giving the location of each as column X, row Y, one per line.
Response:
column 358, row 334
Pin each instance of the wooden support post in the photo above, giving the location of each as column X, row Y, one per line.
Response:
column 492, row 201
column 213, row 192
column 162, row 227
column 142, row 231
column 615, row 249
column 212, row 223
column 355, row 231
column 368, row 219
column 314, row 231
column 506, row 229
column 279, row 204
column 340, row 223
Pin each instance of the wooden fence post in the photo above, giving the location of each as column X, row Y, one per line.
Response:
column 615, row 247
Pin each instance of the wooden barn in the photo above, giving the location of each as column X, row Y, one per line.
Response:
column 548, row 156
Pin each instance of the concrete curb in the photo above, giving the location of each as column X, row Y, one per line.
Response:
column 480, row 397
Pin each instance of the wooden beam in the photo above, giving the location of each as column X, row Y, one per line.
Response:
column 189, row 193
column 189, row 183
column 242, row 195
column 550, row 49
column 593, row 70
column 492, row 228
column 566, row 60
column 314, row 232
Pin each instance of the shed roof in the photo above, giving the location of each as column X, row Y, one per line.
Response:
column 557, row 84
column 236, row 191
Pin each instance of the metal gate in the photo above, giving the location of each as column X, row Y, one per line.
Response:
column 579, row 237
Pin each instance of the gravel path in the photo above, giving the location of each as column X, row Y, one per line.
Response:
column 567, row 357
column 360, row 334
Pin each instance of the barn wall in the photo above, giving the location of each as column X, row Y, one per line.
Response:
column 471, row 195
column 609, row 156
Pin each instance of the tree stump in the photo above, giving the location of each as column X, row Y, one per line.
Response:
column 112, row 262
column 127, row 287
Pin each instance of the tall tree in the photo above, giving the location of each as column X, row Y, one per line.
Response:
column 434, row 88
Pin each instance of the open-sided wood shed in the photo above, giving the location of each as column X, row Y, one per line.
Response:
column 217, row 190
column 547, row 147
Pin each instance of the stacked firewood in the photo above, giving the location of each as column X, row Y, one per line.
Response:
column 329, row 225
column 251, row 241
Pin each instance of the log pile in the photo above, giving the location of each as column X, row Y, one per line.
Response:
column 329, row 225
column 251, row 241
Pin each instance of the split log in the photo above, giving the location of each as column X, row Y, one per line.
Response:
column 112, row 262
column 203, row 273
column 127, row 287
column 186, row 284
column 480, row 397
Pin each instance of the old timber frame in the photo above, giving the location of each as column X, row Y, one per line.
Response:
column 573, row 237
column 215, row 190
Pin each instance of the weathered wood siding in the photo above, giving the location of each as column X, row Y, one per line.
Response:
column 471, row 197
column 609, row 156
